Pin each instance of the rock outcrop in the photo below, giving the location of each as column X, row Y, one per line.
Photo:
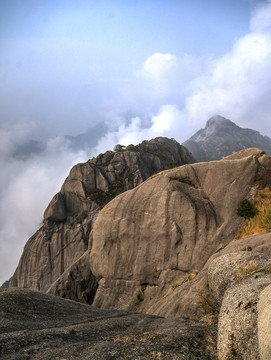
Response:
column 146, row 243
column 221, row 137
column 236, row 281
column 165, row 247
column 69, row 217
column 227, row 269
column 264, row 323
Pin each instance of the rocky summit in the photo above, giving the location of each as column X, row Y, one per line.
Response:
column 69, row 217
column 221, row 137
column 173, row 243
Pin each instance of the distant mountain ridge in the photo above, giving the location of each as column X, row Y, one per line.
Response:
column 84, row 141
column 222, row 137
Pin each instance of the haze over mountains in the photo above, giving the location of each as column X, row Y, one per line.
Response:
column 220, row 137
column 36, row 169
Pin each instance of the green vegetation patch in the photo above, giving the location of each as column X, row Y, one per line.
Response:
column 101, row 198
column 207, row 304
column 246, row 209
column 184, row 181
column 260, row 223
column 81, row 217
column 168, row 163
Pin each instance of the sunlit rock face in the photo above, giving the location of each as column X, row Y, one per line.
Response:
column 146, row 243
column 221, row 137
column 69, row 217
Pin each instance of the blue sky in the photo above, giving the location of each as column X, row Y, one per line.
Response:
column 62, row 61
column 143, row 68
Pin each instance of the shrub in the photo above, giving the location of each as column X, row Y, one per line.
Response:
column 119, row 148
column 207, row 304
column 81, row 217
column 248, row 248
column 246, row 209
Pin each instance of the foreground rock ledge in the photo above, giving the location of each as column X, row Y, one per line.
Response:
column 41, row 326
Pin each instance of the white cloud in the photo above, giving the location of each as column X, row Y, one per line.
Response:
column 168, row 118
column 158, row 64
column 27, row 186
column 261, row 18
column 236, row 85
column 164, row 78
column 165, row 120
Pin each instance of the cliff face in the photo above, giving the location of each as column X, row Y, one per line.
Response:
column 165, row 247
column 69, row 217
column 221, row 137
column 150, row 247
column 148, row 242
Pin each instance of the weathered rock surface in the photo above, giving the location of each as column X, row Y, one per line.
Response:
column 264, row 323
column 224, row 270
column 237, row 324
column 69, row 217
column 237, row 281
column 77, row 282
column 221, row 137
column 40, row 326
column 147, row 241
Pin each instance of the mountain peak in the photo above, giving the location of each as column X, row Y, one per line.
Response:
column 221, row 137
column 216, row 123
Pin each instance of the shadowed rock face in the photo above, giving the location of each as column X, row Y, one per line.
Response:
column 69, row 217
column 221, row 137
column 77, row 282
column 147, row 241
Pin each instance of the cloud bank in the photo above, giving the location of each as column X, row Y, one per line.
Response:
column 180, row 94
column 26, row 188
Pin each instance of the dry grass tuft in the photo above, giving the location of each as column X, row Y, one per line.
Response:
column 191, row 276
column 188, row 277
column 141, row 338
column 157, row 355
column 244, row 270
column 261, row 222
column 71, row 331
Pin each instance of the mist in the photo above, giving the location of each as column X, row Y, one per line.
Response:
column 183, row 93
